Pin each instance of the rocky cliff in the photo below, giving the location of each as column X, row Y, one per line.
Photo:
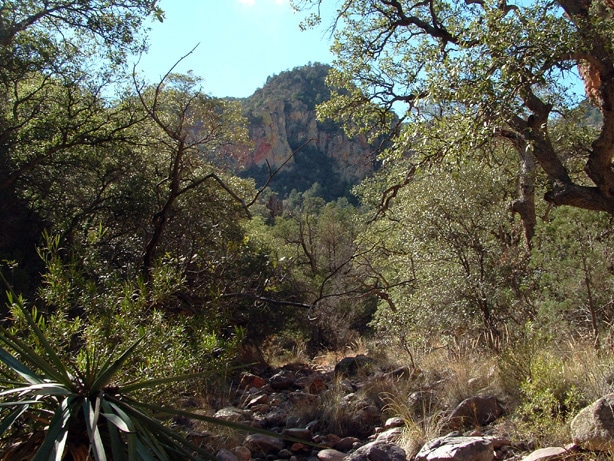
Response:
column 284, row 128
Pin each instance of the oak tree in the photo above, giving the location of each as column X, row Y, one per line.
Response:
column 489, row 69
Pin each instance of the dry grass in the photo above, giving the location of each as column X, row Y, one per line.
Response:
column 542, row 386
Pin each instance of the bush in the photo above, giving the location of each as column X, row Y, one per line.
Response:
column 78, row 405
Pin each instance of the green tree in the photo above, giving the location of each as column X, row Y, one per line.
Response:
column 489, row 69
column 59, row 60
column 447, row 253
column 575, row 264
column 316, row 242
column 187, row 128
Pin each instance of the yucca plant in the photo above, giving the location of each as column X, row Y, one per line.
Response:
column 78, row 411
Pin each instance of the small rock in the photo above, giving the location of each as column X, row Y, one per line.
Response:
column 475, row 411
column 282, row 380
column 225, row 455
column 242, row 453
column 457, row 449
column 233, row 414
column 328, row 454
column 263, row 444
column 391, row 435
column 394, row 422
column 298, row 433
column 346, row 443
column 260, row 400
column 378, row 451
column 547, row 454
column 249, row 380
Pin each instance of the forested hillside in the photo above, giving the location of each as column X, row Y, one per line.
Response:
column 288, row 136
column 163, row 250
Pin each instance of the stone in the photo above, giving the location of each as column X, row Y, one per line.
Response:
column 547, row 454
column 394, row 422
column 298, row 433
column 378, row 451
column 225, row 455
column 282, row 380
column 391, row 435
column 233, row 414
column 242, row 453
column 346, row 443
column 263, row 444
column 260, row 400
column 249, row 380
column 474, row 412
column 350, row 367
column 284, row 454
column 316, row 385
column 328, row 454
column 593, row 426
column 457, row 449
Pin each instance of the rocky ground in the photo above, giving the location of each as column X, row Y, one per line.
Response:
column 306, row 413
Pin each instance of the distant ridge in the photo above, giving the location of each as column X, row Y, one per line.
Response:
column 282, row 121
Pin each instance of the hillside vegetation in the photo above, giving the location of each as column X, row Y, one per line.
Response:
column 445, row 206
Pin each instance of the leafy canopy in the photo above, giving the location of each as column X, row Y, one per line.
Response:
column 488, row 69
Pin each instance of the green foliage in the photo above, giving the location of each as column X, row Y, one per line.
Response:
column 574, row 260
column 79, row 404
column 486, row 69
column 449, row 251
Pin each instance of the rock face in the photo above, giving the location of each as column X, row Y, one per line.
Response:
column 282, row 122
column 593, row 427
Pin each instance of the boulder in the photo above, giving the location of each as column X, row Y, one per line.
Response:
column 378, row 451
column 457, row 449
column 474, row 412
column 593, row 426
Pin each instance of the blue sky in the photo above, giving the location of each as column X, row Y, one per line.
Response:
column 241, row 43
